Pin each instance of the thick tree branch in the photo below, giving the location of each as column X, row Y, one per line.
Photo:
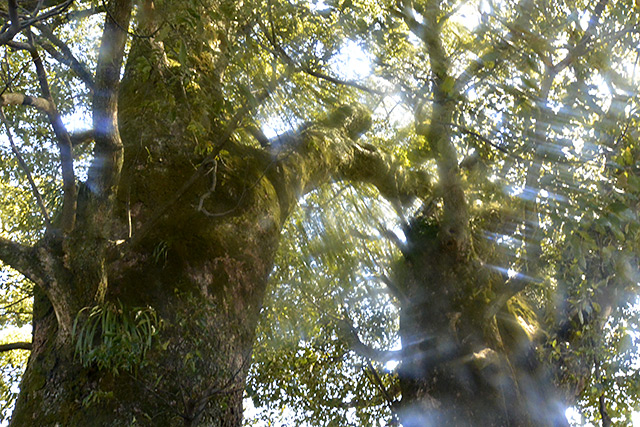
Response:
column 64, row 145
column 405, row 12
column 360, row 348
column 368, row 164
column 454, row 227
column 61, row 53
column 82, row 137
column 15, row 26
column 328, row 150
column 41, row 104
column 351, row 335
column 497, row 53
column 205, row 166
column 15, row 346
column 23, row 259
column 47, row 105
column 104, row 174
column 19, row 23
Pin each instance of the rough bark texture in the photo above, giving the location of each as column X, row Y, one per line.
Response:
column 190, row 235
column 463, row 365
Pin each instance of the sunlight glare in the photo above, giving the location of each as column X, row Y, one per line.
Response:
column 392, row 110
column 318, row 5
column 585, row 17
column 573, row 416
column 351, row 62
column 391, row 365
column 467, row 16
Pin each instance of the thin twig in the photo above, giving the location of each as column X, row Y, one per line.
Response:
column 13, row 304
column 25, row 168
column 383, row 390
column 279, row 51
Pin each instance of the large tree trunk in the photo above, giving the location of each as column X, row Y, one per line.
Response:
column 468, row 359
column 205, row 279
column 189, row 237
column 204, row 276
column 468, row 354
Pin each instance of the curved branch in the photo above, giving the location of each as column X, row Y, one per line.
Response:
column 368, row 164
column 70, row 196
column 381, row 356
column 19, row 23
column 351, row 335
column 62, row 136
column 21, row 258
column 327, row 151
column 15, row 26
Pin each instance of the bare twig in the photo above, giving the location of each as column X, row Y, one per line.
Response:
column 338, row 81
column 481, row 138
column 279, row 51
column 13, row 304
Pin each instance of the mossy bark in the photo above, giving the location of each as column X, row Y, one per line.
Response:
column 467, row 361
column 204, row 277
column 192, row 236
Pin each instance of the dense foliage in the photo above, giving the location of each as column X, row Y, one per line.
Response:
column 542, row 117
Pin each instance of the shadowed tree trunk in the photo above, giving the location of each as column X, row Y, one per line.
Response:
column 467, row 360
column 469, row 340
